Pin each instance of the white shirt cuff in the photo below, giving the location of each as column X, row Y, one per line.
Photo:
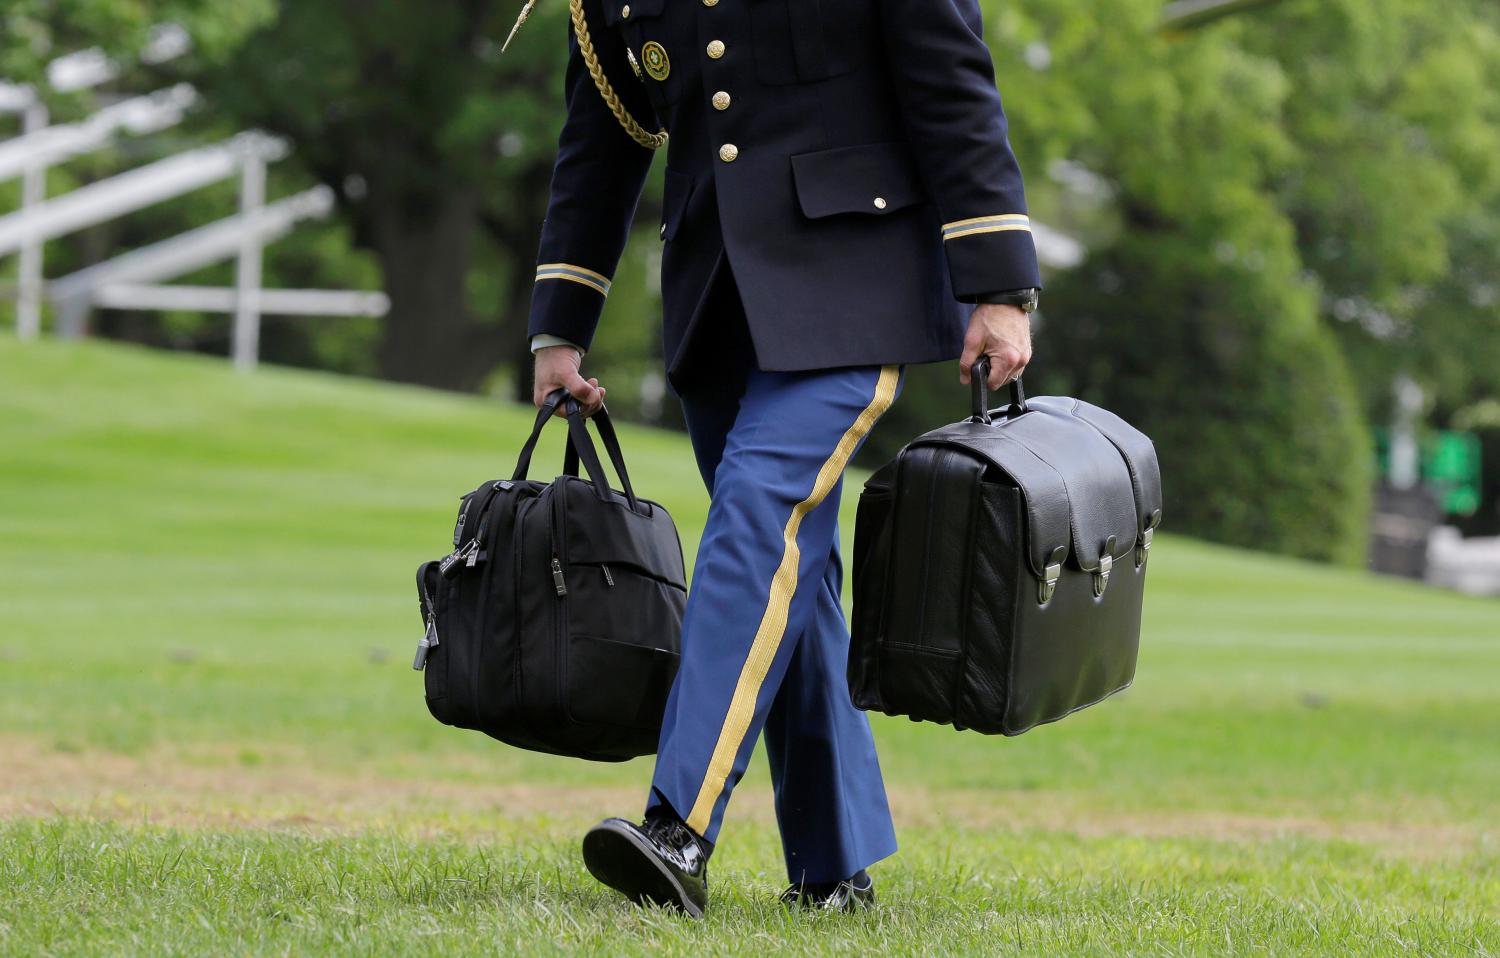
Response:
column 543, row 340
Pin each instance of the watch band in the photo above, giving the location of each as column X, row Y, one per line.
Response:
column 1026, row 299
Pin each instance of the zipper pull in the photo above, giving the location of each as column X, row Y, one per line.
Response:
column 428, row 643
column 467, row 555
column 608, row 579
column 557, row 577
column 463, row 516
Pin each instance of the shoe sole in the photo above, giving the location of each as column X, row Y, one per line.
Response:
column 623, row 861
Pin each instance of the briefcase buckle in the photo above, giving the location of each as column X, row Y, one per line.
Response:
column 1048, row 586
column 1101, row 577
column 1143, row 547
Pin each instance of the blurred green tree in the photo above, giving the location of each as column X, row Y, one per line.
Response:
column 433, row 144
column 1394, row 189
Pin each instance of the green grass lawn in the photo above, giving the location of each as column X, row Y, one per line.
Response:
column 211, row 740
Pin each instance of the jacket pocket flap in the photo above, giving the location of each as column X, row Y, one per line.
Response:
column 875, row 178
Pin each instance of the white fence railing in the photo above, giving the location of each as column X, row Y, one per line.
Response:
column 124, row 282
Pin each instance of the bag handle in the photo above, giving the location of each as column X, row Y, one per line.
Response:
column 579, row 442
column 543, row 413
column 979, row 397
column 579, row 446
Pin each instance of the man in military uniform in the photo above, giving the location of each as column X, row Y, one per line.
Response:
column 840, row 200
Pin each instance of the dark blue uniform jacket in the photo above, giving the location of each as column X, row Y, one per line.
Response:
column 849, row 157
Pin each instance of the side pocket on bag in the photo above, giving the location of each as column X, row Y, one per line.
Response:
column 617, row 684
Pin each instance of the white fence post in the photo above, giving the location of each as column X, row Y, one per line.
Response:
column 248, row 269
column 33, row 194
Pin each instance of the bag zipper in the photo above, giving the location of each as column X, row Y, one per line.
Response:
column 559, row 535
column 559, row 542
column 470, row 553
column 463, row 517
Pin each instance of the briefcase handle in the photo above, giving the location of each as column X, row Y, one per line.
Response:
column 979, row 398
column 543, row 413
column 580, row 446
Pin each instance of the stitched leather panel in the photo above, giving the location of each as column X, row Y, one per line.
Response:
column 938, row 491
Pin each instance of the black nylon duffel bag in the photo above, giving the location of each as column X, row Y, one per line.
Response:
column 999, row 566
column 555, row 623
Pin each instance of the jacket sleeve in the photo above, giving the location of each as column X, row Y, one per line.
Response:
column 596, row 185
column 945, row 88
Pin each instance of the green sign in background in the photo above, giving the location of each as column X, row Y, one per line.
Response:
column 1450, row 468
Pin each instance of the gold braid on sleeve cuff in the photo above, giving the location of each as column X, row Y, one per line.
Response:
column 574, row 274
column 997, row 223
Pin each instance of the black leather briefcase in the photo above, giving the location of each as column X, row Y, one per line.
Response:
column 999, row 565
column 554, row 624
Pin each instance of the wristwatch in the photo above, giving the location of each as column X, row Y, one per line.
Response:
column 1025, row 298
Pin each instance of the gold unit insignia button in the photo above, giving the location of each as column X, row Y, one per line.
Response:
column 721, row 100
column 654, row 56
column 728, row 152
column 880, row 203
column 715, row 49
column 625, row 12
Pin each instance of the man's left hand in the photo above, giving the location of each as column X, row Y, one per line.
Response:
column 1002, row 333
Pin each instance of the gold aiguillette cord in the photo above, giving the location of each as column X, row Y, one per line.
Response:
column 651, row 141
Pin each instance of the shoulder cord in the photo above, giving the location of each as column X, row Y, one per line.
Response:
column 651, row 141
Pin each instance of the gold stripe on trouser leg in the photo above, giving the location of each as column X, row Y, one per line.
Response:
column 773, row 623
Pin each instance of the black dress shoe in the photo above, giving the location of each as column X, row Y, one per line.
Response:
column 851, row 894
column 659, row 861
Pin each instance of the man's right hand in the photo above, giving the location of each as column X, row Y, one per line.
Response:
column 557, row 367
